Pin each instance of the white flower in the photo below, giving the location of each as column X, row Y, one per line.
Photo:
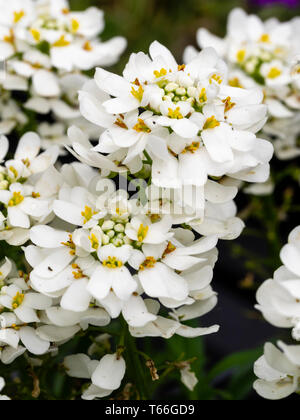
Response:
column 265, row 55
column 211, row 125
column 278, row 372
column 106, row 375
column 278, row 299
column 2, row 385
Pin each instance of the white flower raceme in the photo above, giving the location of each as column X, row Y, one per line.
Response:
column 278, row 372
column 47, row 48
column 279, row 298
column 26, row 192
column 265, row 55
column 2, row 385
column 113, row 255
column 186, row 118
column 106, row 375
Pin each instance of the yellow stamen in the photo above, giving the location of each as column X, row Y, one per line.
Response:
column 138, row 94
column 181, row 67
column 87, row 214
column 70, row 244
column 142, row 233
column 216, row 78
column 18, row 300
column 18, row 16
column 203, row 96
column 235, row 82
column 61, row 42
column 274, row 73
column 228, row 104
column 176, row 114
column 10, row 38
column 113, row 263
column 14, row 171
column 35, row 34
column 192, row 148
column 35, row 195
column 75, row 25
column 241, row 55
column 265, row 38
column 65, row 11
column 141, row 127
column 16, row 199
column 161, row 73
column 119, row 122
column 87, row 46
column 94, row 241
column 170, row 248
column 211, row 123
column 148, row 263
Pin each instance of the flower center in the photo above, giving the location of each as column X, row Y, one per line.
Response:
column 192, row 148
column 141, row 127
column 142, row 233
column 78, row 273
column 87, row 46
column 241, row 55
column 211, row 123
column 87, row 214
column 175, row 114
column 70, row 244
column 148, row 263
column 61, row 42
column 35, row 34
column 265, row 38
column 138, row 94
column 18, row 300
column 113, row 263
column 94, row 241
column 75, row 25
column 16, row 199
column 18, row 16
column 274, row 73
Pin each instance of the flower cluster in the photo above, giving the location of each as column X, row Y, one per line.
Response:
column 279, row 301
column 47, row 49
column 264, row 55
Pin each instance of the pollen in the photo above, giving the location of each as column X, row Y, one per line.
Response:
column 18, row 300
column 35, row 195
column 181, row 67
column 228, row 104
column 169, row 250
column 216, row 78
column 87, row 46
column 87, row 214
column 265, row 38
column 235, row 82
column 113, row 263
column 75, row 25
column 175, row 113
column 274, row 73
column 211, row 123
column 192, row 148
column 78, row 273
column 241, row 55
column 70, row 244
column 18, row 16
column 61, row 42
column 14, row 171
column 16, row 199
column 203, row 96
column 138, row 94
column 142, row 233
column 148, row 263
column 35, row 34
column 141, row 127
column 120, row 123
column 10, row 38
column 161, row 73
column 94, row 241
